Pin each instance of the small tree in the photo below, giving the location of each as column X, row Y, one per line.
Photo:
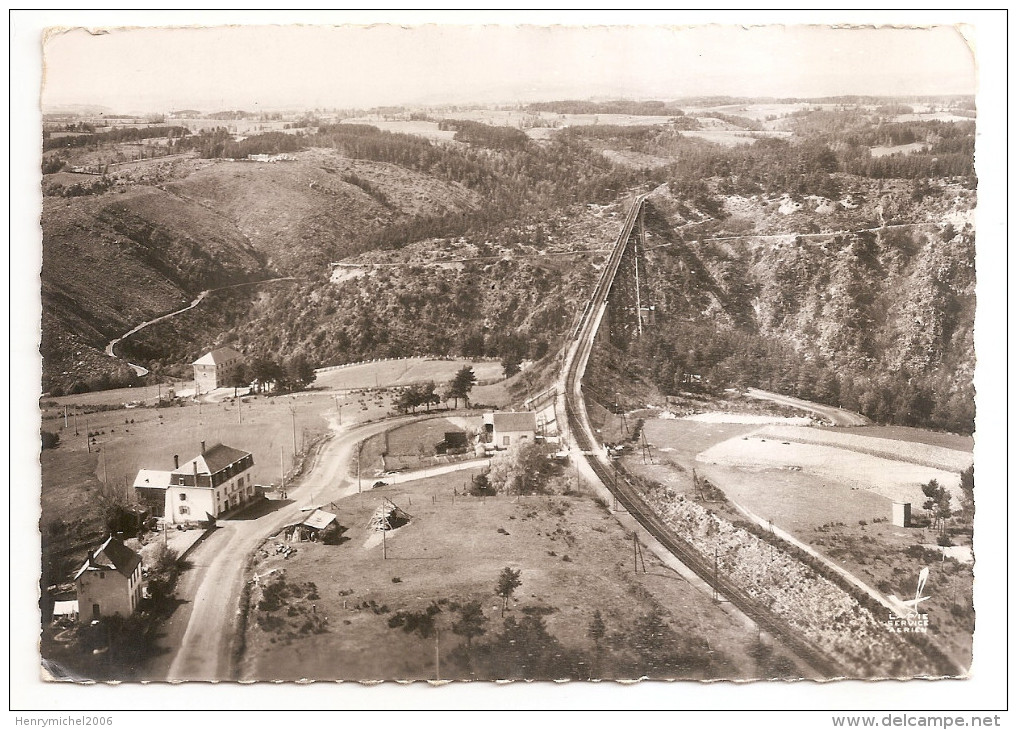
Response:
column 471, row 623
column 508, row 581
column 597, row 629
column 461, row 385
column 299, row 372
column 239, row 377
column 937, row 504
column 967, row 485
column 511, row 365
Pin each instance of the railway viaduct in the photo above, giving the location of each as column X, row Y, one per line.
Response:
column 621, row 302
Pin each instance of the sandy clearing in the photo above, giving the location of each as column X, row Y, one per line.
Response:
column 749, row 418
column 936, row 457
column 894, row 480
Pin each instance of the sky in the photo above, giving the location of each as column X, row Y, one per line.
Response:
column 261, row 67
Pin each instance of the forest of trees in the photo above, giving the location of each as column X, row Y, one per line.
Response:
column 485, row 135
column 620, row 106
column 114, row 136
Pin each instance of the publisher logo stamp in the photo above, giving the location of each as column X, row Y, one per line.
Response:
column 907, row 616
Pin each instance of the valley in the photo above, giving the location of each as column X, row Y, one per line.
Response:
column 763, row 247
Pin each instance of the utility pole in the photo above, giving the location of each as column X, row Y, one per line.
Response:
column 360, row 448
column 338, row 408
column 293, row 421
column 716, row 557
column 437, row 656
column 65, row 416
column 240, row 409
column 282, row 469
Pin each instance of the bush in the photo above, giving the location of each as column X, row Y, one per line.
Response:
column 50, row 440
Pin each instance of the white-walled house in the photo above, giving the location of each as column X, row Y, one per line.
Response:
column 213, row 369
column 109, row 583
column 217, row 480
column 505, row 429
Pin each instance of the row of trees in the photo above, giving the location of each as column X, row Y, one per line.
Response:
column 293, row 373
column 114, row 136
column 426, row 394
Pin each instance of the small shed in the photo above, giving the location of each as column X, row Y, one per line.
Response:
column 902, row 514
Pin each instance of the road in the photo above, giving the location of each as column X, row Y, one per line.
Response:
column 213, row 585
column 110, row 348
column 836, row 416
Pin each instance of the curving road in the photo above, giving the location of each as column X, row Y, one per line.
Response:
column 111, row 347
column 204, row 652
column 836, row 416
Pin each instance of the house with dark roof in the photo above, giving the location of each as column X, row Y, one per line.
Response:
column 217, row 480
column 109, row 583
column 213, row 369
column 503, row 429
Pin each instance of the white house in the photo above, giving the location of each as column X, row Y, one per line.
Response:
column 213, row 369
column 109, row 583
column 505, row 429
column 217, row 480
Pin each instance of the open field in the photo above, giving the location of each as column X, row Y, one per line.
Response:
column 408, row 371
column 935, row 457
column 907, row 434
column 411, row 446
column 574, row 559
column 73, row 472
column 406, row 126
column 893, row 480
column 897, row 149
column 733, row 137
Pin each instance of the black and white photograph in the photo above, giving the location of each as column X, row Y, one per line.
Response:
column 466, row 350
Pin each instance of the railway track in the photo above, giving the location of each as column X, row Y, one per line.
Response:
column 626, row 492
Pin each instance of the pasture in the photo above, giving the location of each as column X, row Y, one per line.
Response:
column 409, row 371
column 573, row 556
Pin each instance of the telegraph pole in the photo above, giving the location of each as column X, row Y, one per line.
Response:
column 293, row 421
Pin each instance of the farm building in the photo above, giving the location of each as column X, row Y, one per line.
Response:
column 213, row 369
column 311, row 527
column 150, row 489
column 505, row 429
column 109, row 583
column 217, row 480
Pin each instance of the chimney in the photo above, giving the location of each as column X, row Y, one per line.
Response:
column 176, row 461
column 195, row 462
column 202, row 447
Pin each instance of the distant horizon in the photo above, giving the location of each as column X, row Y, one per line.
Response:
column 690, row 101
column 271, row 68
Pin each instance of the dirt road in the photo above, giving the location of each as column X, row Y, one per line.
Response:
column 837, row 416
column 213, row 591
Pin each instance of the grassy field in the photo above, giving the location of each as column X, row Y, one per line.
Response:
column 412, row 446
column 942, row 439
column 127, row 440
column 410, row 371
column 573, row 557
column 891, row 479
column 911, row 452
